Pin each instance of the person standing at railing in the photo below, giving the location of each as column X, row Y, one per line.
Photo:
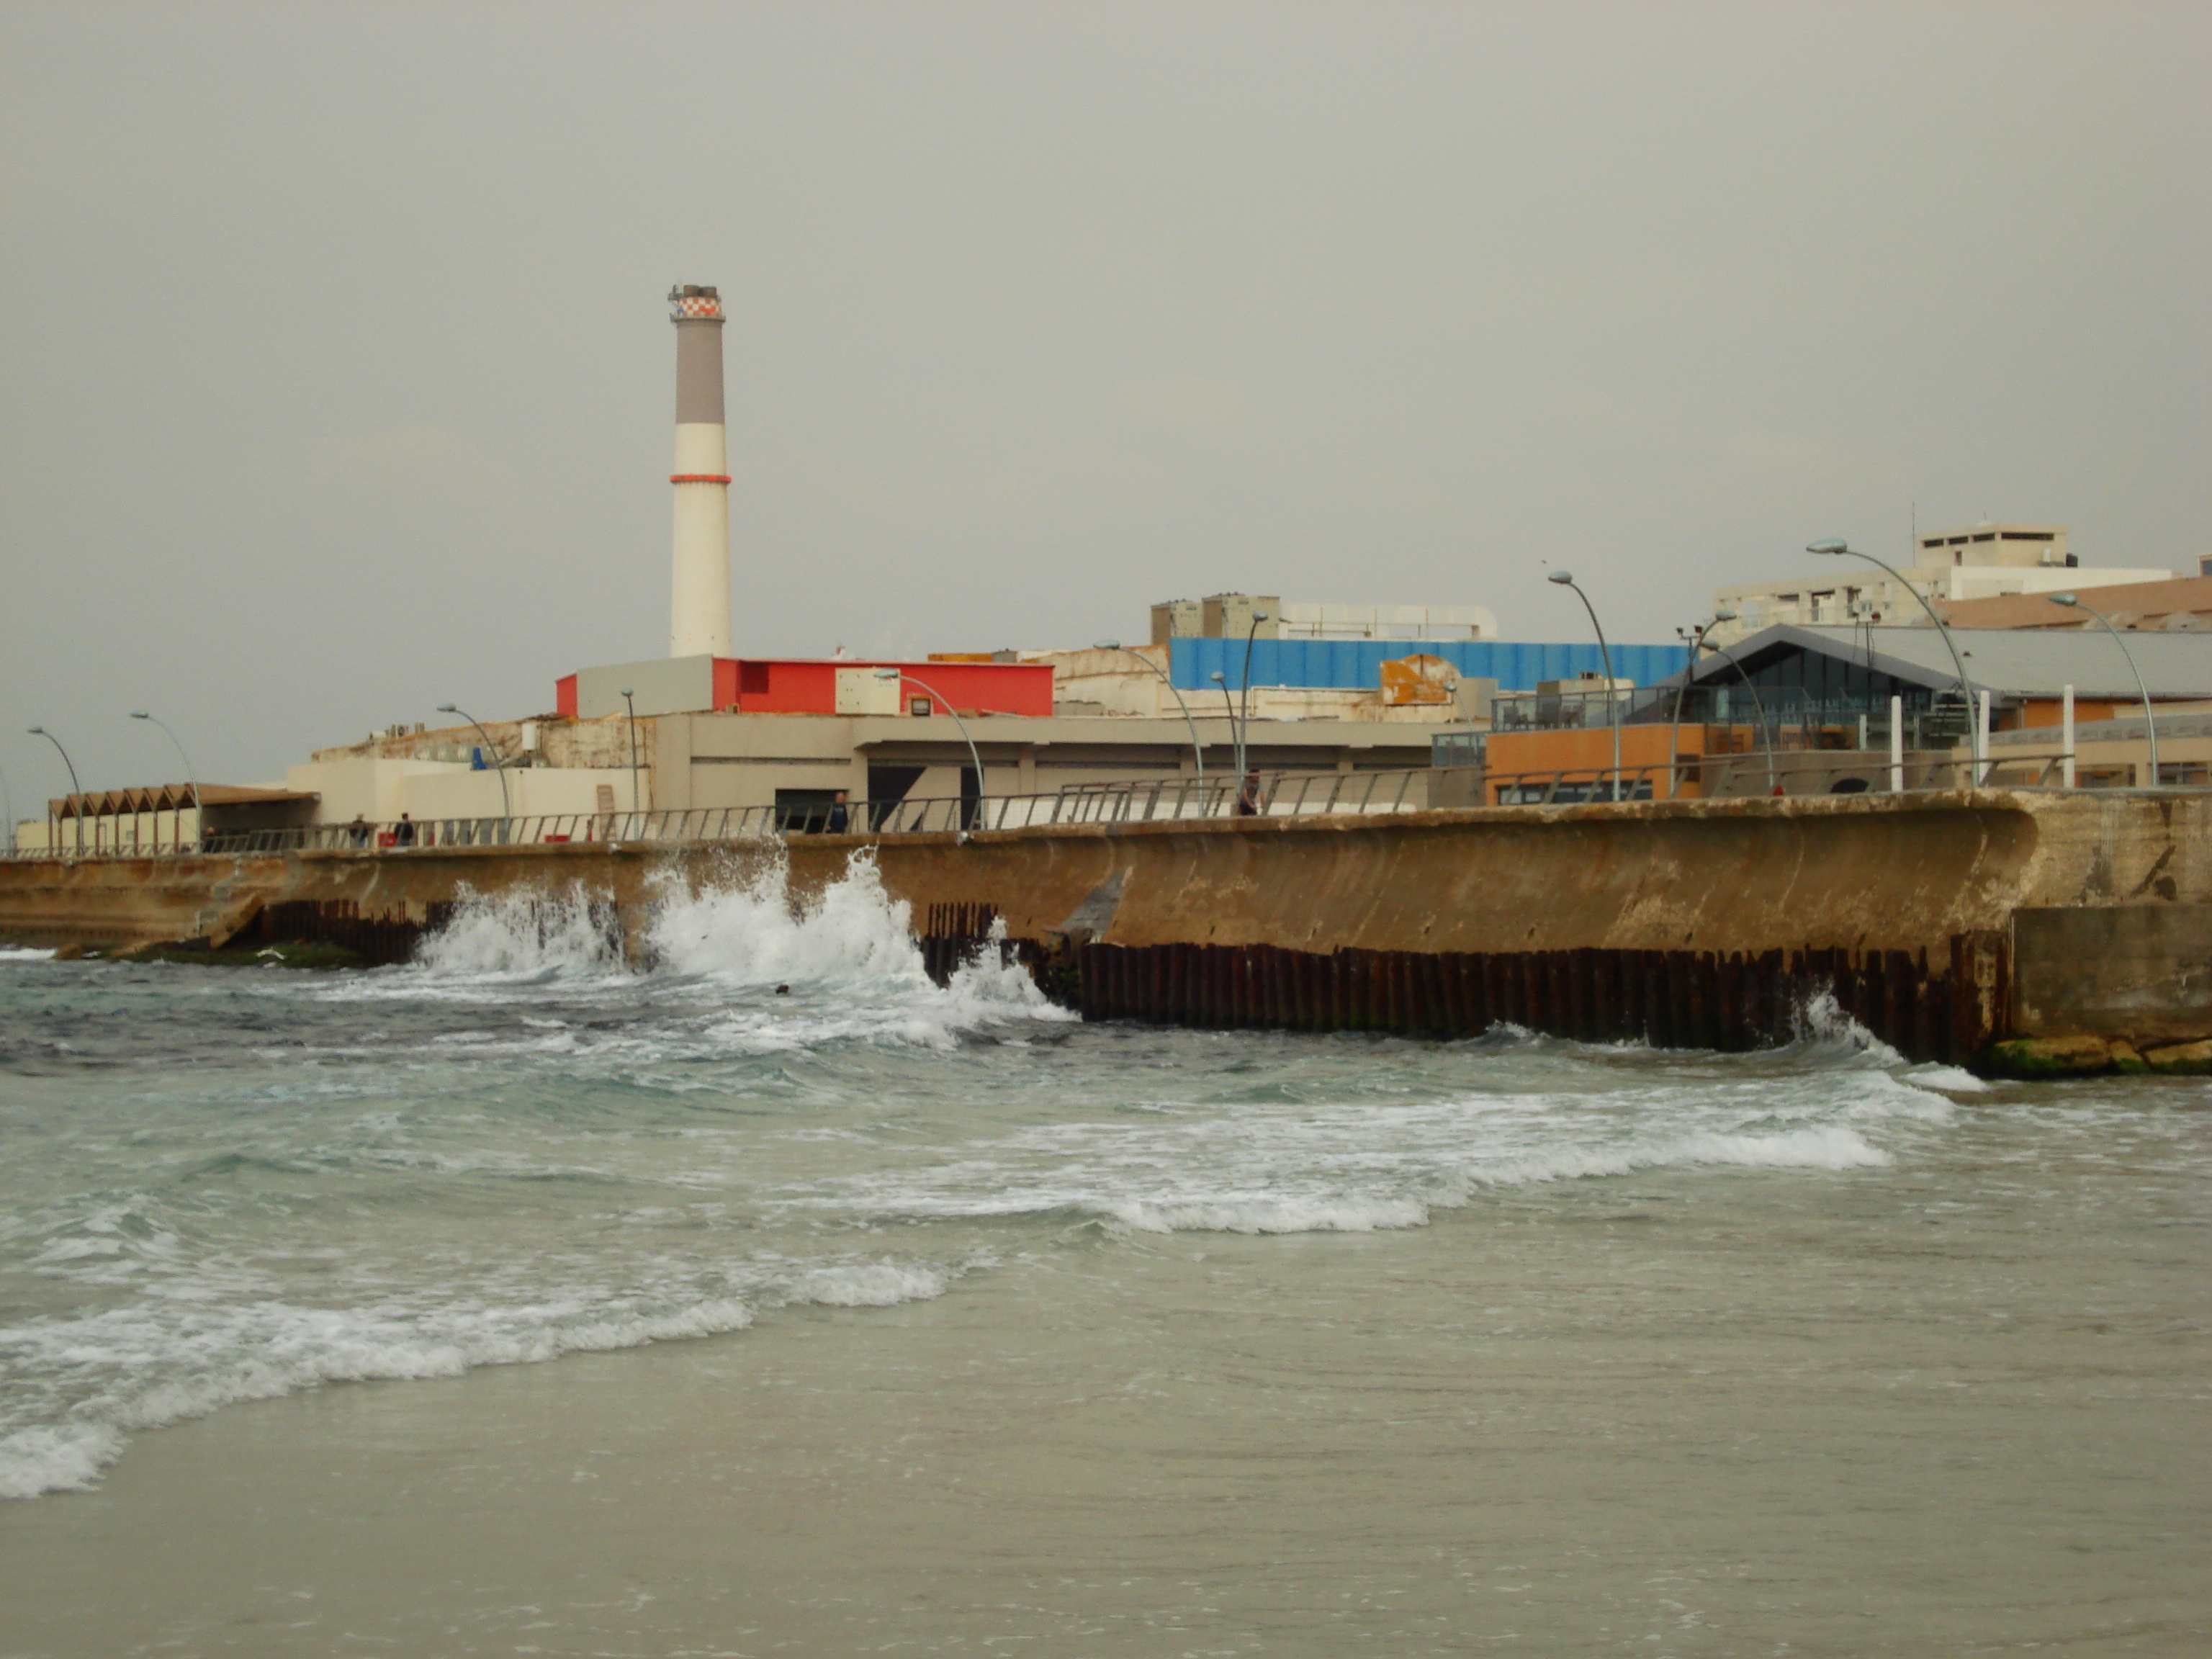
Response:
column 1248, row 797
column 358, row 830
column 839, row 818
column 403, row 833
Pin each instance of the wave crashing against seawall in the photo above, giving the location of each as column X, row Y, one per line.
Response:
column 520, row 1145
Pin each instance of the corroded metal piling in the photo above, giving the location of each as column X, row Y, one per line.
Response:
column 1725, row 1001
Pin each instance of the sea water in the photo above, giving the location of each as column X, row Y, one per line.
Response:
column 223, row 1186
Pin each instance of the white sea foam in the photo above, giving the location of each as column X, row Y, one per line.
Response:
column 1831, row 1146
column 1361, row 1167
column 1824, row 1031
column 525, row 936
column 866, row 1284
column 1271, row 1215
column 754, row 930
column 755, row 968
column 1949, row 1078
column 164, row 1361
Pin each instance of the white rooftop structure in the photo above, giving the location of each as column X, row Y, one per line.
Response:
column 1984, row 561
column 1304, row 620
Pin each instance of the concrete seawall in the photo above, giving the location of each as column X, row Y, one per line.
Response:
column 1693, row 921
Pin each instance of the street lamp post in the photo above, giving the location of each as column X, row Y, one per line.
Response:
column 939, row 699
column 192, row 778
column 2150, row 724
column 75, row 788
column 1966, row 685
column 1197, row 749
column 1674, row 726
column 1565, row 579
column 8, row 809
column 1244, row 697
column 1759, row 707
column 1236, row 743
column 506, row 809
column 632, row 707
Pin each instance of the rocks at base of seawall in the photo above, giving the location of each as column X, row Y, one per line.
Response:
column 2089, row 1056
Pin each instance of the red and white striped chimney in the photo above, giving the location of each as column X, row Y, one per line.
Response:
column 699, row 611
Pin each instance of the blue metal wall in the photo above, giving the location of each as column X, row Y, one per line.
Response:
column 1356, row 664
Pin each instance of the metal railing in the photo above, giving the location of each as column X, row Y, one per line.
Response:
column 1279, row 795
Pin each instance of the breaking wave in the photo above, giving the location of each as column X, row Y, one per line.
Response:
column 151, row 1363
column 546, row 1136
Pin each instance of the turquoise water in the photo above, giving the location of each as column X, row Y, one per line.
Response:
column 223, row 1185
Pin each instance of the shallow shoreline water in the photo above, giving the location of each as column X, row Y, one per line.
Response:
column 1046, row 1338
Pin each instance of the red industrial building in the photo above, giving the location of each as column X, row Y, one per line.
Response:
column 810, row 685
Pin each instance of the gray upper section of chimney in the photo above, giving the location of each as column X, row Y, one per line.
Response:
column 699, row 370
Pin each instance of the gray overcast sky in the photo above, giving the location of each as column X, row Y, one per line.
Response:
column 338, row 381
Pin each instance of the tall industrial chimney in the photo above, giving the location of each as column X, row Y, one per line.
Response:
column 699, row 612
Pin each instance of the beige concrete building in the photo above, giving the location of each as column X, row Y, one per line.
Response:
column 2181, row 606
column 800, row 762
column 1985, row 561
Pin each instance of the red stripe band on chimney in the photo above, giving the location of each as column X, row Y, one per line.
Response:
column 699, row 478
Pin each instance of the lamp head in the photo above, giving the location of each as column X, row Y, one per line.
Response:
column 1216, row 677
column 448, row 708
column 2065, row 599
column 887, row 673
column 1832, row 546
column 1565, row 578
column 625, row 693
column 1258, row 615
column 1107, row 645
column 40, row 730
column 140, row 714
column 1724, row 615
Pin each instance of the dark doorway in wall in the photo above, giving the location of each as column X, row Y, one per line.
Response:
column 806, row 810
column 887, row 787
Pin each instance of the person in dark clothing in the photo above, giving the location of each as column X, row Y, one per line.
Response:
column 358, row 830
column 403, row 834
column 838, row 816
column 1248, row 797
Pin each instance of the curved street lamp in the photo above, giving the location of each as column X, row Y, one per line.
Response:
column 1236, row 743
column 1244, row 696
column 1674, row 726
column 939, row 700
column 632, row 707
column 1565, row 579
column 75, row 788
column 1973, row 715
column 506, row 809
column 1197, row 749
column 1759, row 705
column 191, row 773
column 2150, row 725
column 192, row 778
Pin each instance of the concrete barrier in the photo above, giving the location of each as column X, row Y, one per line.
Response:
column 1904, row 908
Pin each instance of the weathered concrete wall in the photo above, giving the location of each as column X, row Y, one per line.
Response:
column 2142, row 972
column 1855, row 873
column 1847, row 881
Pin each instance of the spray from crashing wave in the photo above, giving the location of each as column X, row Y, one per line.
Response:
column 776, row 966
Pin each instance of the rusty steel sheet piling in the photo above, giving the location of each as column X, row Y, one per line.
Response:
column 1725, row 1001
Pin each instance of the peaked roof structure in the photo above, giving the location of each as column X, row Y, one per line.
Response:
column 2011, row 662
column 165, row 797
